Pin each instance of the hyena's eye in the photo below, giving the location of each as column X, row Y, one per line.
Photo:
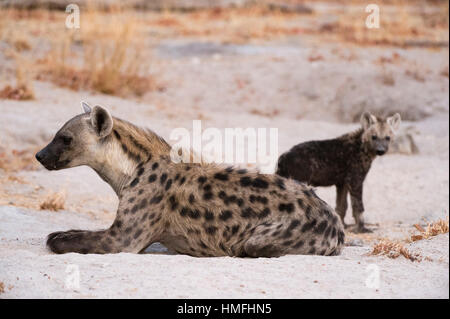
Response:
column 67, row 140
column 374, row 137
column 388, row 138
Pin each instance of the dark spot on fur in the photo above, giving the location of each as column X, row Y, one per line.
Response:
column 321, row 227
column 117, row 135
column 156, row 199
column 242, row 171
column 211, row 230
column 155, row 166
column 152, row 178
column 134, row 182
column 163, row 178
column 280, row 183
column 202, row 179
column 299, row 244
column 234, row 229
column 288, row 207
column 140, row 171
column 221, row 176
column 143, row 203
column 312, row 242
column 208, row 215
column 260, row 183
column 222, row 195
column 248, row 213
column 264, row 213
column 194, row 214
column 184, row 211
column 182, row 180
column 169, row 184
column 173, row 202
column 225, row 215
column 309, row 226
column 137, row 234
column 191, row 199
column 245, row 181
column 208, row 196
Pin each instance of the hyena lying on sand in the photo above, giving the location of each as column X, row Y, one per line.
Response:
column 343, row 161
column 194, row 209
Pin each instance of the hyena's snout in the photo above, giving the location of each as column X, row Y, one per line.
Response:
column 50, row 158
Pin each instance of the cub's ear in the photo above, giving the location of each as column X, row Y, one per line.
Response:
column 101, row 121
column 367, row 120
column 394, row 121
column 86, row 107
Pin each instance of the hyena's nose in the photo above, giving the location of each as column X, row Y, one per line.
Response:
column 39, row 156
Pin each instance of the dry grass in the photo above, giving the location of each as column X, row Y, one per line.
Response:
column 15, row 160
column 433, row 229
column 391, row 249
column 23, row 88
column 54, row 201
column 2, row 287
column 104, row 55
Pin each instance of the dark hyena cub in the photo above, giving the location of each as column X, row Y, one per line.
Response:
column 343, row 162
column 195, row 209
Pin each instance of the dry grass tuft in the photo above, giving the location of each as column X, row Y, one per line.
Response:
column 394, row 250
column 433, row 229
column 54, row 201
column 2, row 287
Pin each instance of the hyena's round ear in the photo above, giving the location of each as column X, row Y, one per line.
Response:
column 102, row 121
column 86, row 107
column 394, row 121
column 367, row 120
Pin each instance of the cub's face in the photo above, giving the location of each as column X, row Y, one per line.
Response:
column 378, row 133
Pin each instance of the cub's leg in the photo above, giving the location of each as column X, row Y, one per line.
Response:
column 341, row 201
column 356, row 194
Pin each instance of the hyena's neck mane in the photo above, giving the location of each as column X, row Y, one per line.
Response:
column 139, row 144
column 125, row 149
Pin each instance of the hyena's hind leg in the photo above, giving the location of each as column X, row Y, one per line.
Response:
column 112, row 240
column 262, row 243
column 308, row 237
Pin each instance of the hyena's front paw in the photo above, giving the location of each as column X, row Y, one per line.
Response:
column 68, row 241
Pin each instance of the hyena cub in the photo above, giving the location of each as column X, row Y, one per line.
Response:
column 194, row 209
column 343, row 161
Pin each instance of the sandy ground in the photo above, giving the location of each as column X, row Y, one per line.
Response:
column 241, row 86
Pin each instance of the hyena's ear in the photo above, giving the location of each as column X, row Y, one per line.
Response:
column 367, row 120
column 102, row 121
column 394, row 121
column 86, row 107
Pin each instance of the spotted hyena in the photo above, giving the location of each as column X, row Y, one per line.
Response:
column 343, row 161
column 194, row 209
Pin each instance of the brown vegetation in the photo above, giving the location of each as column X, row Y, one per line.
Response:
column 54, row 201
column 433, row 229
column 391, row 249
